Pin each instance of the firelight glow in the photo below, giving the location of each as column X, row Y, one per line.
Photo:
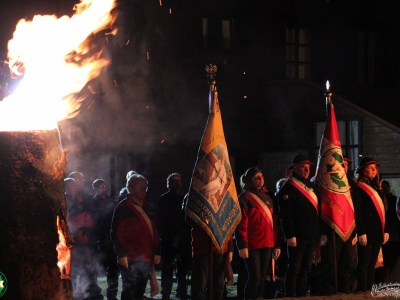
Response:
column 58, row 62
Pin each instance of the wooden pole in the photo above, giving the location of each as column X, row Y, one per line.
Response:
column 328, row 96
column 211, row 73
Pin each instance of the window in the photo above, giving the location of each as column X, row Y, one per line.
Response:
column 298, row 53
column 205, row 32
column 226, row 34
column 217, row 33
column 349, row 138
column 365, row 57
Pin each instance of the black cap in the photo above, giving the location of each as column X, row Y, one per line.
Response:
column 300, row 158
column 364, row 162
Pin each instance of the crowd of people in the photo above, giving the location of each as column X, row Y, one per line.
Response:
column 283, row 246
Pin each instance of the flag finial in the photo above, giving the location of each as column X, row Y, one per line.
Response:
column 211, row 71
column 328, row 96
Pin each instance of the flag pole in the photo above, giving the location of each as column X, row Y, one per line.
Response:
column 328, row 96
column 211, row 73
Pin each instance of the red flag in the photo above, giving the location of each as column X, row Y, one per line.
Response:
column 337, row 208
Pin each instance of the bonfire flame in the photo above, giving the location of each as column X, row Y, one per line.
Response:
column 64, row 253
column 55, row 59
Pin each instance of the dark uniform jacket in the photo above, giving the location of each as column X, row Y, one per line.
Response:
column 298, row 216
column 367, row 218
column 101, row 211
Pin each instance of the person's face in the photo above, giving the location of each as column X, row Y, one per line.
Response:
column 346, row 166
column 371, row 171
column 80, row 181
column 101, row 190
column 71, row 188
column 175, row 183
column 257, row 180
column 302, row 169
column 138, row 190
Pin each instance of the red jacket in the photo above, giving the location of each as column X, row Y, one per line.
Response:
column 131, row 237
column 79, row 220
column 254, row 231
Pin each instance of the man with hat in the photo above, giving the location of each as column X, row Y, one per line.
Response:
column 298, row 211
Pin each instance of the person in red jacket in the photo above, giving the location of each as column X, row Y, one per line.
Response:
column 257, row 232
column 136, row 241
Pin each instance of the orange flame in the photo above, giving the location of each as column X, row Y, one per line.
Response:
column 64, row 253
column 57, row 61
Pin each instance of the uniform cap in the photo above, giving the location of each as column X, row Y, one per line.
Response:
column 365, row 161
column 300, row 158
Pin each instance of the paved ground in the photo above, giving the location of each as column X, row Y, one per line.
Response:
column 395, row 293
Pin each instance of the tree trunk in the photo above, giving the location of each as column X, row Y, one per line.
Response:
column 32, row 170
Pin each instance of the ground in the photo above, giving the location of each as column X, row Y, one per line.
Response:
column 232, row 292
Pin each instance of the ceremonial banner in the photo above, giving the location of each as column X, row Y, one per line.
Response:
column 213, row 203
column 337, row 208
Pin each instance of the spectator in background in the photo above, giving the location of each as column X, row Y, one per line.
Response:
column 372, row 229
column 124, row 190
column 391, row 250
column 80, row 182
column 101, row 211
column 258, row 231
column 175, row 238
column 134, row 233
column 80, row 224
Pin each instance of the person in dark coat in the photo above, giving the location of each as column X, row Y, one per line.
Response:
column 101, row 212
column 258, row 231
column 372, row 229
column 298, row 212
column 124, row 190
column 390, row 250
column 175, row 238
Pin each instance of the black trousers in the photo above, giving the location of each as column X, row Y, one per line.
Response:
column 110, row 266
column 257, row 267
column 346, row 261
column 172, row 259
column 134, row 279
column 365, row 272
column 300, row 260
column 200, row 268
